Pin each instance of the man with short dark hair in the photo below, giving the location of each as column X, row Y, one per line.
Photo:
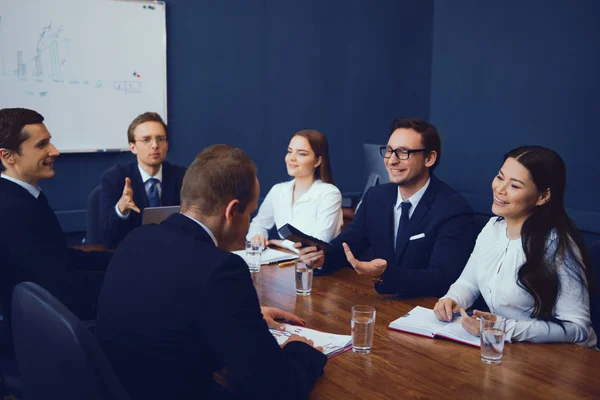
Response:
column 177, row 306
column 34, row 245
column 150, row 181
column 420, row 231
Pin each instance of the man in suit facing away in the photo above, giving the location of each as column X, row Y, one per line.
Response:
column 150, row 181
column 420, row 230
column 176, row 305
column 33, row 243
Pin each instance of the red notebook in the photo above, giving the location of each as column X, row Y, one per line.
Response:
column 422, row 321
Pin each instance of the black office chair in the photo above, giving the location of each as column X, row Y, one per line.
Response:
column 92, row 227
column 595, row 297
column 372, row 180
column 10, row 380
column 57, row 356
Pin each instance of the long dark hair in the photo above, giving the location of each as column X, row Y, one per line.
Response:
column 319, row 145
column 550, row 239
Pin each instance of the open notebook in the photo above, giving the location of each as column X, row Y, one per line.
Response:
column 269, row 256
column 422, row 321
column 332, row 344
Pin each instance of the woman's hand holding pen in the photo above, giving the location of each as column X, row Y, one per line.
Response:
column 471, row 324
column 260, row 239
column 444, row 309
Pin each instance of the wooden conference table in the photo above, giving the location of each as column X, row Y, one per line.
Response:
column 408, row 366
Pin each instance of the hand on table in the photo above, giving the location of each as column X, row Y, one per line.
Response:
column 471, row 324
column 297, row 338
column 270, row 314
column 444, row 309
column 260, row 239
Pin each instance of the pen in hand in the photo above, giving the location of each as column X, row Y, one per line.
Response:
column 458, row 314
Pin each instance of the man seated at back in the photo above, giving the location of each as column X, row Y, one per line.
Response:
column 421, row 231
column 177, row 306
column 33, row 243
column 150, row 181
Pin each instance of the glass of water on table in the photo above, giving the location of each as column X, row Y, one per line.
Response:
column 363, row 328
column 253, row 252
column 492, row 334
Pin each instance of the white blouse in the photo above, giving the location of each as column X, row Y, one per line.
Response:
column 318, row 212
column 492, row 272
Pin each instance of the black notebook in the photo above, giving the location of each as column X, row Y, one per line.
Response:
column 294, row 235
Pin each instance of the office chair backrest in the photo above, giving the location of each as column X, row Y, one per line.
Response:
column 372, row 180
column 57, row 355
column 92, row 227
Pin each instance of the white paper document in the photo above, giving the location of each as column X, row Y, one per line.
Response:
column 332, row 344
column 269, row 256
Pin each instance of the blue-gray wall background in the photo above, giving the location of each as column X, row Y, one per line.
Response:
column 491, row 76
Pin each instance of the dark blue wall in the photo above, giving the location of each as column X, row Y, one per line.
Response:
column 251, row 73
column 511, row 73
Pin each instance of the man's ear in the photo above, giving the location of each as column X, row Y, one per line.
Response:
column 430, row 158
column 7, row 157
column 231, row 209
column 133, row 148
column 544, row 198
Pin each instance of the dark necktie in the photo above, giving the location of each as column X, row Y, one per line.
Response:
column 153, row 197
column 406, row 205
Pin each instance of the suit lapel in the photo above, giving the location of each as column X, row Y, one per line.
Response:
column 420, row 212
column 169, row 185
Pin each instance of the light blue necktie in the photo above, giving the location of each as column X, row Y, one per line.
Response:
column 153, row 197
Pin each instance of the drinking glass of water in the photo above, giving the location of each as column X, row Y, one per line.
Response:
column 363, row 328
column 492, row 335
column 304, row 278
column 253, row 251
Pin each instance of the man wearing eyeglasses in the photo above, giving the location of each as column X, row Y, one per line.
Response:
column 420, row 232
column 150, row 181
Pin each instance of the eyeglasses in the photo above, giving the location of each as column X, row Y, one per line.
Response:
column 401, row 153
column 147, row 140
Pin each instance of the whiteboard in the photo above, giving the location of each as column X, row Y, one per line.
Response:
column 88, row 66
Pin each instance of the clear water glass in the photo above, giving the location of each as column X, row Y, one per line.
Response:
column 363, row 328
column 304, row 279
column 492, row 336
column 253, row 252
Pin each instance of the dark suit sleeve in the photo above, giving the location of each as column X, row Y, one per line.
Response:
column 455, row 238
column 88, row 260
column 355, row 235
column 111, row 226
column 258, row 367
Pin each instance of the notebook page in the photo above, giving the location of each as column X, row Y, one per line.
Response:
column 454, row 330
column 419, row 320
column 269, row 256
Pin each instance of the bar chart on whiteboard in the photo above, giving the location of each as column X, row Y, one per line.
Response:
column 88, row 66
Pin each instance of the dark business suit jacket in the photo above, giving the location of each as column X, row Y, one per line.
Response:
column 112, row 182
column 34, row 249
column 175, row 308
column 425, row 266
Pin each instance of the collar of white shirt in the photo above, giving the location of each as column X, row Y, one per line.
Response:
column 35, row 192
column 146, row 176
column 414, row 199
column 308, row 194
column 212, row 236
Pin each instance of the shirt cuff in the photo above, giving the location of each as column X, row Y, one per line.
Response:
column 122, row 216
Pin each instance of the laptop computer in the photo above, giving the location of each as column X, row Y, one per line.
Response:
column 156, row 215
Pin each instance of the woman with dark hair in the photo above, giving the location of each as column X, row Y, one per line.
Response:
column 529, row 264
column 310, row 202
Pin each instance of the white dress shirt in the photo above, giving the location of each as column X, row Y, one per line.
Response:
column 414, row 201
column 212, row 236
column 492, row 272
column 318, row 212
column 146, row 179
column 35, row 191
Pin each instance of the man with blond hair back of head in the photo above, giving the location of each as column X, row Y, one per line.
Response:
column 177, row 306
